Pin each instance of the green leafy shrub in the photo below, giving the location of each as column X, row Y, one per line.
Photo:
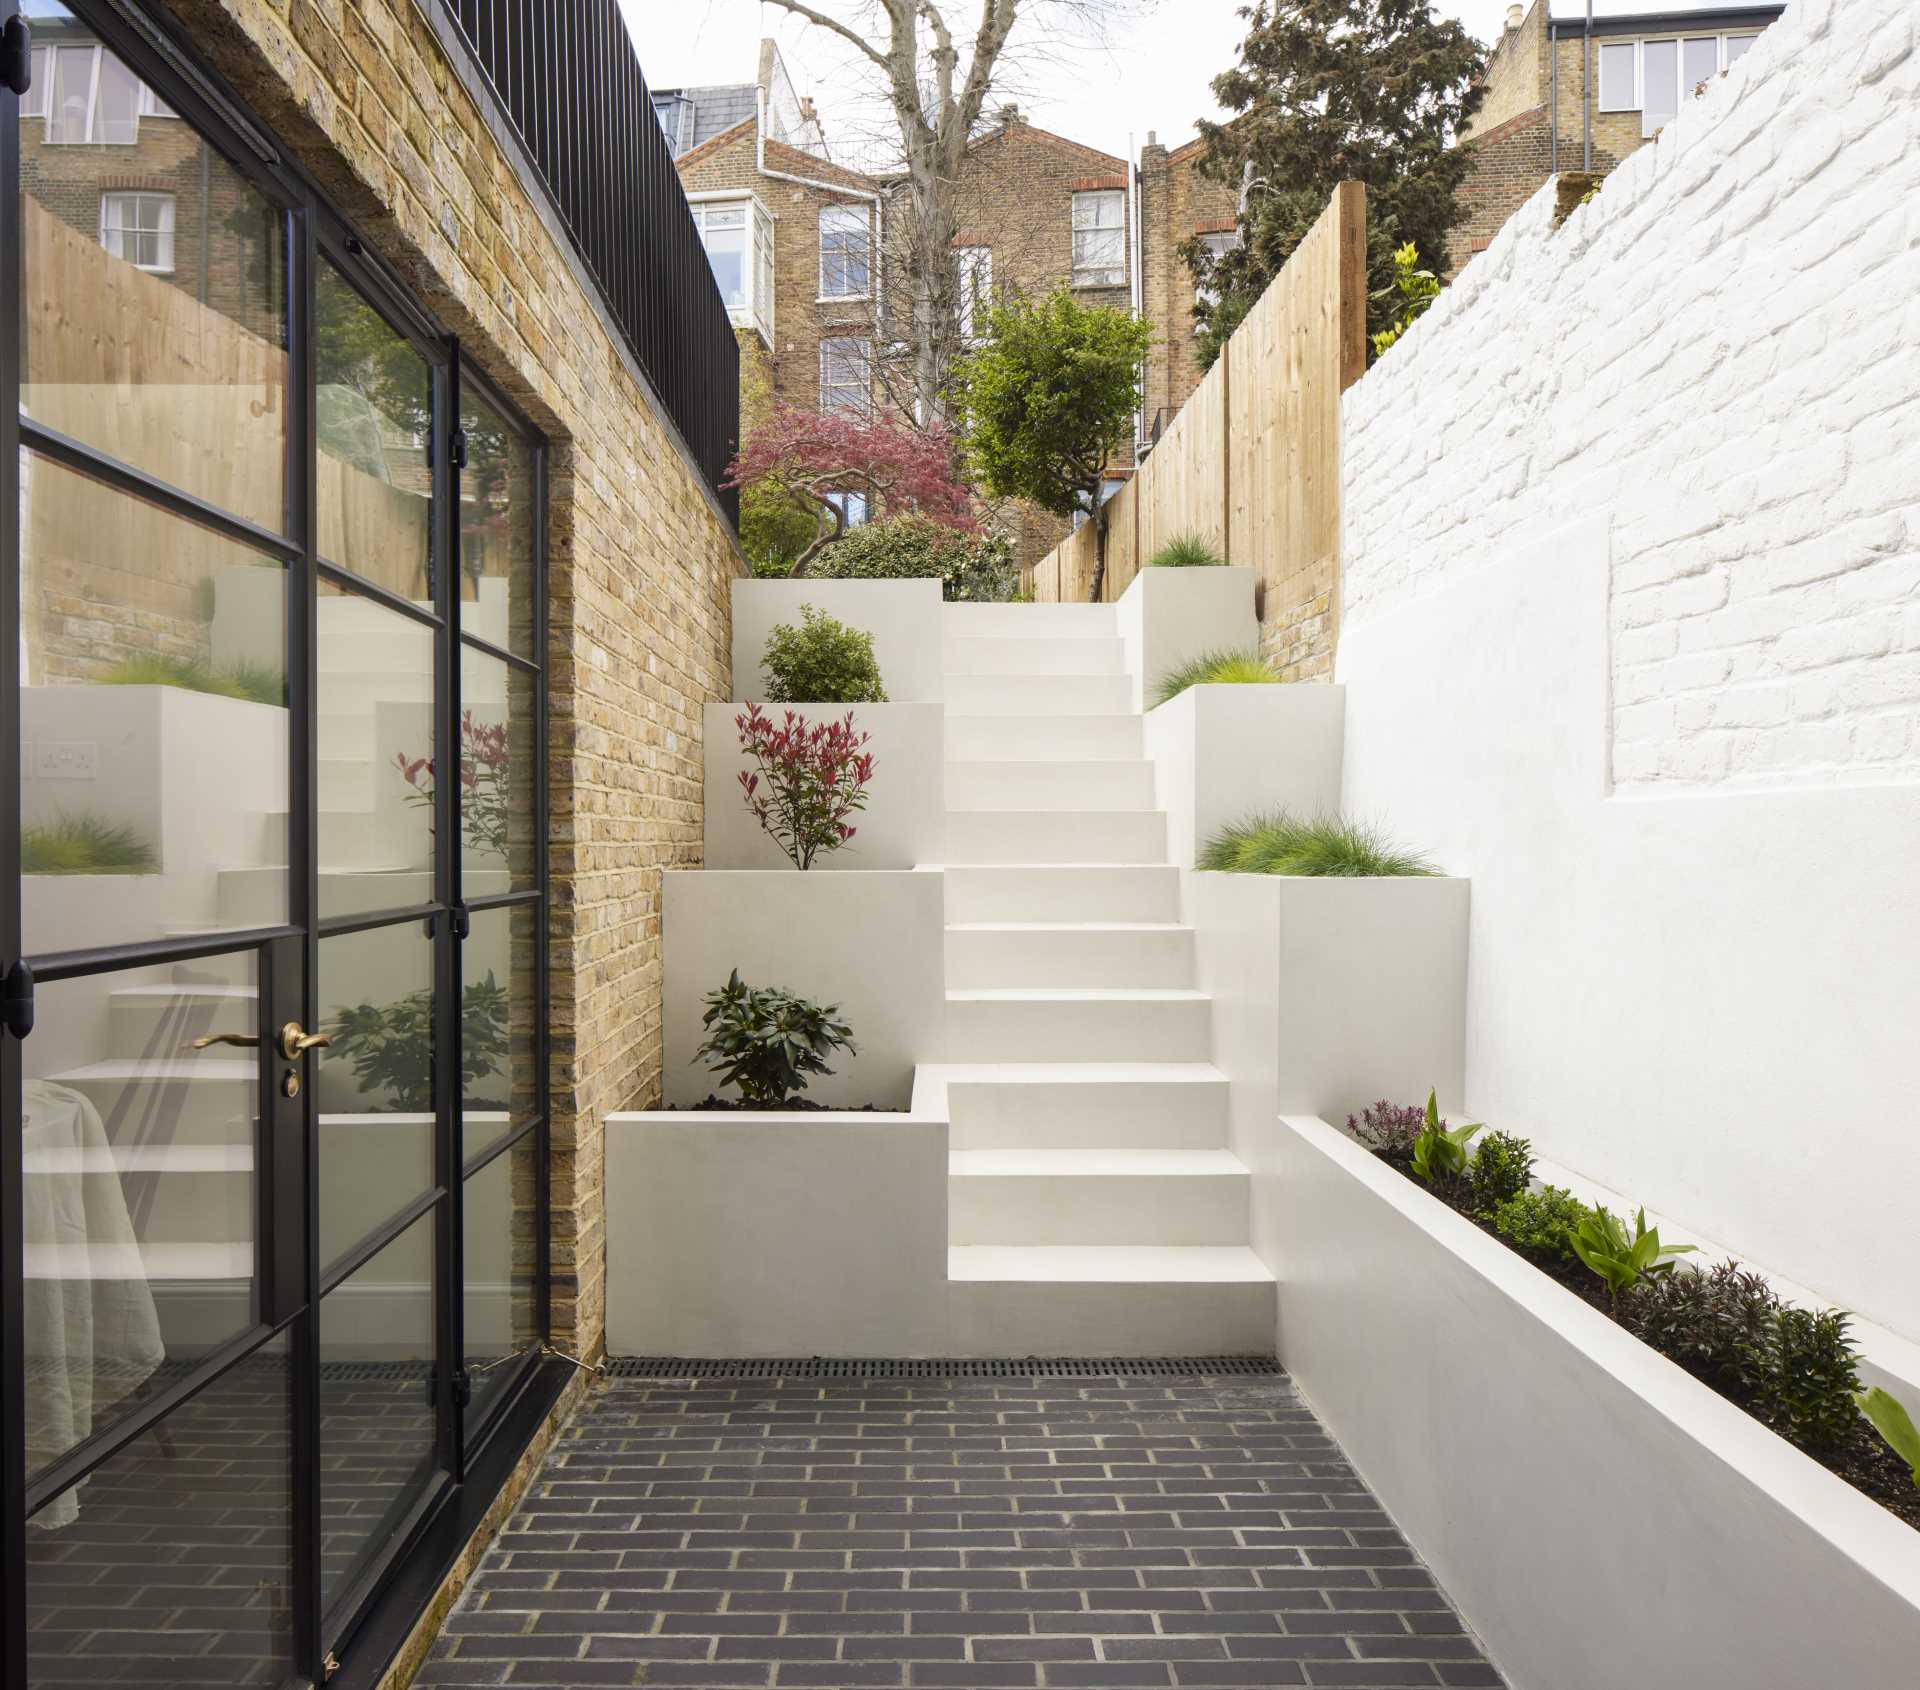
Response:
column 84, row 845
column 971, row 568
column 814, row 776
column 1502, row 1169
column 775, row 528
column 1321, row 845
column 822, row 661
column 253, row 682
column 1718, row 1324
column 391, row 1045
column 1891, row 1420
column 1542, row 1223
column 1389, row 1128
column 767, row 1041
column 1602, row 1241
column 1406, row 297
column 1216, row 669
column 1815, row 1378
column 1440, row 1152
column 1187, row 551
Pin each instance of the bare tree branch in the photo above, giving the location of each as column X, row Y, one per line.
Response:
column 821, row 21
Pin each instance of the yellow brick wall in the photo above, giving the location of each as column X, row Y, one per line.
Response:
column 641, row 561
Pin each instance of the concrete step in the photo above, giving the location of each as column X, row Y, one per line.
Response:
column 347, row 682
column 172, row 1101
column 1053, row 892
column 176, row 1194
column 1002, row 739
column 1036, row 1025
column 379, row 651
column 257, row 897
column 1053, row 621
column 1032, row 953
column 1084, row 1105
column 346, row 783
column 1039, row 695
column 1034, row 655
column 349, row 839
column 1025, row 784
column 1097, row 1197
column 348, row 735
column 158, row 1020
column 1056, row 836
column 1080, row 1300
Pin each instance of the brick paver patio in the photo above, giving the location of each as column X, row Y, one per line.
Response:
column 1025, row 1531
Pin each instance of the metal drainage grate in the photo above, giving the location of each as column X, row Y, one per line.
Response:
column 1127, row 1367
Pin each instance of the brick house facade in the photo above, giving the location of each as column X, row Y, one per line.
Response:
column 1559, row 100
column 1177, row 203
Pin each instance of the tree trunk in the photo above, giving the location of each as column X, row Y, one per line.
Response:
column 1099, row 548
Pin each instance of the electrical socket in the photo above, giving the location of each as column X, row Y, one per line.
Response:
column 66, row 759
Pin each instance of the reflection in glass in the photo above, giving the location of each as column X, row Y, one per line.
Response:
column 152, row 720
column 170, row 1565
column 496, row 530
column 496, row 775
column 500, row 1030
column 138, row 1163
column 502, row 1235
column 377, row 1423
column 155, row 296
column 377, row 755
column 375, row 407
column 373, row 1087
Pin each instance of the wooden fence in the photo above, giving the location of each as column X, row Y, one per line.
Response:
column 1252, row 462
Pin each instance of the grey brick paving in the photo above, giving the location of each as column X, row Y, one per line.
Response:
column 1023, row 1532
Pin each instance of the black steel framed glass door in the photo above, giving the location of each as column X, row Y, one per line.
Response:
column 272, row 890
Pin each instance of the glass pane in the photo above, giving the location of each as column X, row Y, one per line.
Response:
column 152, row 719
column 1738, row 46
column 377, row 1432
column 496, row 775
column 1661, row 69
column 182, row 374
column 1616, row 76
column 502, row 1234
column 726, row 252
column 500, row 1031
column 138, row 1158
column 170, row 1565
column 375, row 406
column 374, row 1085
column 1701, row 61
column 496, row 530
column 376, row 766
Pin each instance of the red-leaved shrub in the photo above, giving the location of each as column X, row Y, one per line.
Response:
column 808, row 778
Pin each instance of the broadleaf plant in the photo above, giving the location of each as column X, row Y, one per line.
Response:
column 1892, row 1421
column 1440, row 1152
column 767, row 1041
column 1602, row 1241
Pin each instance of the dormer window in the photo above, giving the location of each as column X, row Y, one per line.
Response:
column 738, row 236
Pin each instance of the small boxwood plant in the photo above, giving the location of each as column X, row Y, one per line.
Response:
column 1502, row 1169
column 1541, row 1223
column 822, row 661
column 1187, row 551
column 768, row 1042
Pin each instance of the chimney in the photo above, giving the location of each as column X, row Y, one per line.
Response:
column 1153, row 138
column 1516, row 16
column 808, row 112
column 1010, row 114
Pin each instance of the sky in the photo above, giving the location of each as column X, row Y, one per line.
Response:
column 1154, row 75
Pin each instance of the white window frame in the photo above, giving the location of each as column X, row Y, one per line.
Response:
column 861, row 402
column 34, row 102
column 1631, row 101
column 1218, row 242
column 756, row 263
column 973, row 280
column 151, row 105
column 1724, row 59
column 118, row 199
column 849, row 216
column 143, row 99
column 1100, row 275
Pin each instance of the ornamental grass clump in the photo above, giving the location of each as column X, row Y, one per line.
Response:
column 1316, row 846
column 1187, row 551
column 767, row 1041
column 1223, row 668
column 808, row 777
column 84, row 845
column 822, row 661
column 252, row 682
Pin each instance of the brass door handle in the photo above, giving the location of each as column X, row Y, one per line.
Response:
column 225, row 1039
column 295, row 1040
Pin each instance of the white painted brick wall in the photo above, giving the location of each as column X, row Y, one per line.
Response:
column 1722, row 353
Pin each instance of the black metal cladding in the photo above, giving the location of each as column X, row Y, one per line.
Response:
column 567, row 76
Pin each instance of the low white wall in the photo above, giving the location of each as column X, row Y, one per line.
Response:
column 1223, row 753
column 776, row 1235
column 872, row 941
column 1167, row 616
column 1706, row 1001
column 1600, row 1517
column 902, row 616
column 904, row 823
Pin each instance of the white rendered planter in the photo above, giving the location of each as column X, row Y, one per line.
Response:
column 737, row 1234
column 1168, row 616
column 902, row 616
column 872, row 941
column 1600, row 1517
column 1223, row 753
column 905, row 821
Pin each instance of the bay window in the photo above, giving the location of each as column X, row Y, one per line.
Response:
column 738, row 236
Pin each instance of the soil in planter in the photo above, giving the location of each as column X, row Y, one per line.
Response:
column 794, row 1106
column 1866, row 1462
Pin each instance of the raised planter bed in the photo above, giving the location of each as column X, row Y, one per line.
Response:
column 904, row 618
column 1600, row 1516
column 1168, row 616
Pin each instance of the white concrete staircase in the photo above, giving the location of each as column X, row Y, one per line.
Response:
column 1094, row 1206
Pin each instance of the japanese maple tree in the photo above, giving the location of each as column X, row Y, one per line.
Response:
column 808, row 777
column 810, row 457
